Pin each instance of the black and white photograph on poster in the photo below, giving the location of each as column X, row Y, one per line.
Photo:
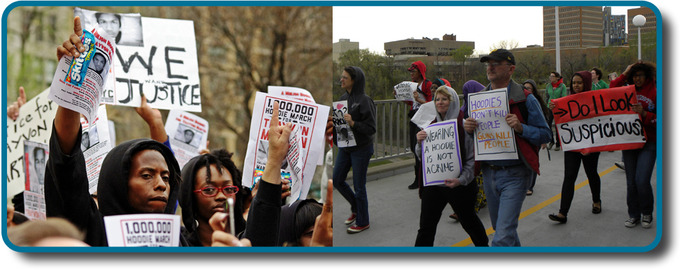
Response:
column 95, row 144
column 188, row 135
column 343, row 132
column 35, row 160
column 90, row 138
column 99, row 63
column 123, row 28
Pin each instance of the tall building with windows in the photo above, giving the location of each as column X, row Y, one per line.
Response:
column 580, row 27
column 650, row 24
column 426, row 46
column 343, row 46
column 614, row 28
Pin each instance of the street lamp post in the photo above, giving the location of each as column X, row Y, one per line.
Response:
column 639, row 21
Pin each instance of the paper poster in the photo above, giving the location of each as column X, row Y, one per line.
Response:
column 425, row 115
column 602, row 120
column 343, row 132
column 34, row 205
column 188, row 135
column 291, row 92
column 310, row 119
column 494, row 138
column 33, row 124
column 404, row 90
column 440, row 153
column 35, row 161
column 95, row 144
column 78, row 81
column 143, row 230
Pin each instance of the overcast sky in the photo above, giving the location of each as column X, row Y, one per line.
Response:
column 373, row 26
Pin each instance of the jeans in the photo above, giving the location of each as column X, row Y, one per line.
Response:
column 462, row 199
column 532, row 181
column 358, row 161
column 572, row 164
column 639, row 165
column 505, row 192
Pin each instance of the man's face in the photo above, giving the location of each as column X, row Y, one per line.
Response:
column 209, row 205
column 99, row 62
column 188, row 136
column 499, row 71
column 149, row 182
column 110, row 24
column 39, row 165
column 593, row 74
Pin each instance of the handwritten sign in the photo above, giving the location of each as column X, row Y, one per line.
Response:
column 95, row 144
column 494, row 138
column 441, row 153
column 188, row 135
column 404, row 90
column 309, row 118
column 602, row 120
column 142, row 230
column 34, row 124
column 343, row 132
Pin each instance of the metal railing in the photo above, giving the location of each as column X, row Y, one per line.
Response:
column 391, row 137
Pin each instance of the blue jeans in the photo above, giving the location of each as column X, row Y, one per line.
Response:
column 357, row 160
column 639, row 165
column 505, row 192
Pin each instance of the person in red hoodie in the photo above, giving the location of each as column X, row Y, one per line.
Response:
column 422, row 95
column 639, row 163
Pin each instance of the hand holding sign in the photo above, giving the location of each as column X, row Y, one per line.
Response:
column 72, row 46
column 278, row 147
column 514, row 123
column 13, row 110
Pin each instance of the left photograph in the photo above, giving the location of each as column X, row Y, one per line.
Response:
column 168, row 127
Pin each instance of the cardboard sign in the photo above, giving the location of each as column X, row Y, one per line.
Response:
column 188, row 134
column 343, row 132
column 34, row 124
column 310, row 119
column 601, row 120
column 494, row 138
column 404, row 90
column 143, row 230
column 441, row 153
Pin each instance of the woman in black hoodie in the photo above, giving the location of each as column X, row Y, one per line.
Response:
column 361, row 117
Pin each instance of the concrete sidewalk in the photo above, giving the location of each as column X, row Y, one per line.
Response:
column 394, row 210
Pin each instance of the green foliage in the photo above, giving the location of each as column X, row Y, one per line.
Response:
column 381, row 73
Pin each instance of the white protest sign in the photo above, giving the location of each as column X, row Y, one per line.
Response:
column 142, row 230
column 34, row 124
column 291, row 92
column 343, row 132
column 441, row 153
column 95, row 144
column 404, row 90
column 188, row 134
column 494, row 138
column 424, row 116
column 34, row 205
column 309, row 118
column 78, row 81
column 163, row 66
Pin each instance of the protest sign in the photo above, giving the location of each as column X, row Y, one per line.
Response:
column 142, row 230
column 424, row 116
column 441, row 153
column 343, row 132
column 291, row 92
column 95, row 143
column 34, row 124
column 602, row 120
column 35, row 161
column 310, row 119
column 188, row 134
column 78, row 81
column 494, row 138
column 404, row 90
column 34, row 205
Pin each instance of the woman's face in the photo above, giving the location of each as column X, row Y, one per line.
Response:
column 207, row 206
column 442, row 103
column 639, row 78
column 594, row 75
column 529, row 87
column 434, row 87
column 346, row 81
column 577, row 84
column 553, row 78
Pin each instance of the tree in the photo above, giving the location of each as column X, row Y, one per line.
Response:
column 460, row 55
column 505, row 44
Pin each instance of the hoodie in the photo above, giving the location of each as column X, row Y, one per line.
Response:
column 363, row 111
column 424, row 89
column 470, row 86
column 66, row 186
column 291, row 229
column 587, row 81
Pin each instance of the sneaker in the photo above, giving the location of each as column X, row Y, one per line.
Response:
column 557, row 148
column 357, row 229
column 646, row 221
column 550, row 146
column 632, row 222
column 620, row 165
column 351, row 219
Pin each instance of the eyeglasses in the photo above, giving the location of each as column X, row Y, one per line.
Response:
column 210, row 191
column 496, row 64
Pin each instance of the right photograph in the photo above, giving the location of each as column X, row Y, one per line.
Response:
column 497, row 126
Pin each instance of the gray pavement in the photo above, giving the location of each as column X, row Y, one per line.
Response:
column 394, row 211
